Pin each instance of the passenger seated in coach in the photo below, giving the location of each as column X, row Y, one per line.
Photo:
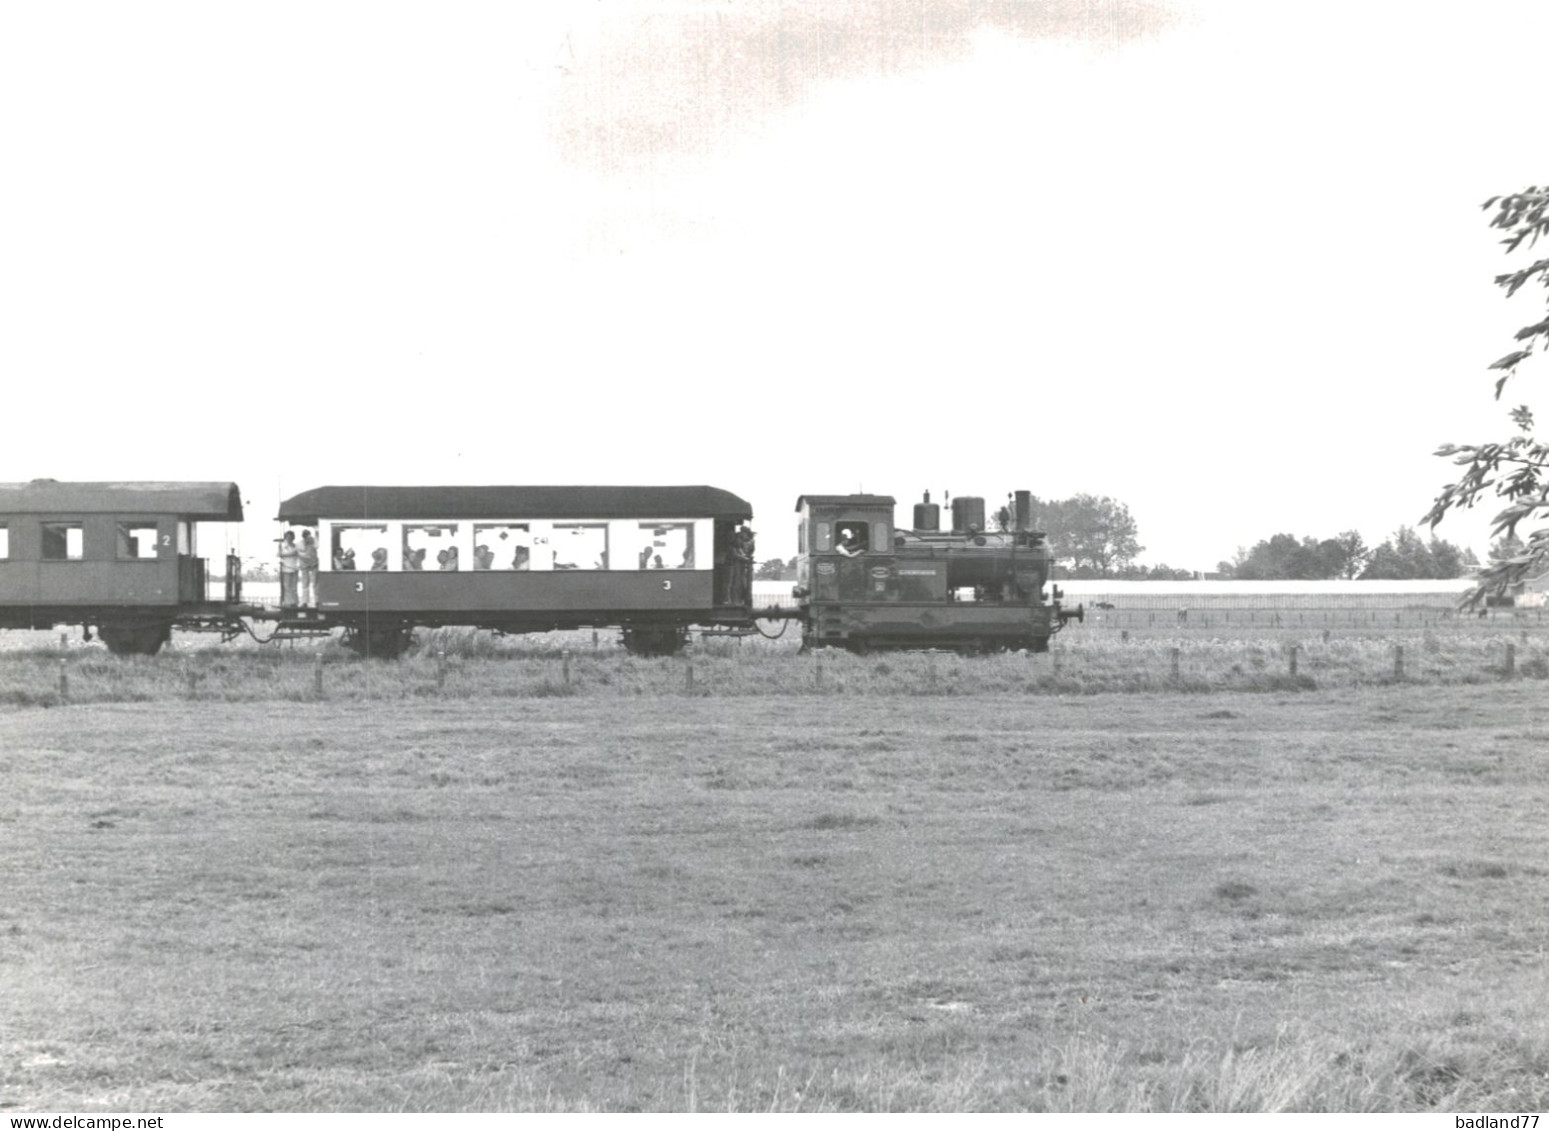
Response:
column 448, row 559
column 345, row 560
column 379, row 559
column 656, row 562
column 483, row 557
column 645, row 558
column 414, row 559
column 522, row 558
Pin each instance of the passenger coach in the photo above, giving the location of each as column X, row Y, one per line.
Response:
column 651, row 560
column 121, row 556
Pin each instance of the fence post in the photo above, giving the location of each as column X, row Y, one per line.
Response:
column 564, row 658
column 1123, row 636
column 317, row 673
column 930, row 667
column 1176, row 652
column 1511, row 660
column 688, row 676
column 1325, row 636
column 440, row 669
column 64, row 639
column 594, row 640
column 1295, row 648
column 64, row 681
column 817, row 673
column 1398, row 661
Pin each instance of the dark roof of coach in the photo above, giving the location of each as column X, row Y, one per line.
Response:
column 208, row 502
column 380, row 503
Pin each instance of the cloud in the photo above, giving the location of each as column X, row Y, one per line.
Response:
column 658, row 81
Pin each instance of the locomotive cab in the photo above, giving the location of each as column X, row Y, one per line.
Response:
column 844, row 547
column 863, row 584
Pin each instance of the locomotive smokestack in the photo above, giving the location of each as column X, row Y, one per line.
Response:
column 1024, row 510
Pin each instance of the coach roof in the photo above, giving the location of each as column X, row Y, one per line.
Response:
column 345, row 503
column 208, row 502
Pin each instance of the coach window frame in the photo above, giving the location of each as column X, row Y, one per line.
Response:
column 516, row 534
column 648, row 531
column 362, row 553
column 429, row 565
column 130, row 534
column 581, row 528
column 65, row 527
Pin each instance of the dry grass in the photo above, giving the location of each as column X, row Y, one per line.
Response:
column 1330, row 900
column 463, row 664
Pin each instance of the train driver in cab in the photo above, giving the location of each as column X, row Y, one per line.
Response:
column 849, row 545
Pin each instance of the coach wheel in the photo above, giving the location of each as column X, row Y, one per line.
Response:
column 141, row 640
column 654, row 641
column 383, row 643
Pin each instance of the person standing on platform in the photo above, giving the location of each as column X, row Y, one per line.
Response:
column 290, row 556
column 307, row 563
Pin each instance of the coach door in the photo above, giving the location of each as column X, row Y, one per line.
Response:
column 190, row 568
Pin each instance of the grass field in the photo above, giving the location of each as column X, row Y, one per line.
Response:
column 1313, row 899
column 35, row 670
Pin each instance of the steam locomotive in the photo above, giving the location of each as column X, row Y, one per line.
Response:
column 654, row 562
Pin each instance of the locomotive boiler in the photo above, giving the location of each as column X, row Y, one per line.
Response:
column 864, row 584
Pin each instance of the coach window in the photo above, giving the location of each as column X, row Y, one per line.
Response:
column 5, row 541
column 430, row 548
column 502, row 546
column 666, row 545
column 62, row 541
column 357, row 546
column 137, row 540
column 580, row 545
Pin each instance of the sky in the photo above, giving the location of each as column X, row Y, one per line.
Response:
column 1224, row 262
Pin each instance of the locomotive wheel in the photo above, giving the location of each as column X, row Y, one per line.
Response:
column 654, row 641
column 136, row 640
column 1040, row 644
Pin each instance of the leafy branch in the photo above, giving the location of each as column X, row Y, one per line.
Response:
column 1517, row 470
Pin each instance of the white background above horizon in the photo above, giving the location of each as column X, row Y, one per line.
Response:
column 1223, row 262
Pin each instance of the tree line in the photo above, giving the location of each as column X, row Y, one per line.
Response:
column 1403, row 556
